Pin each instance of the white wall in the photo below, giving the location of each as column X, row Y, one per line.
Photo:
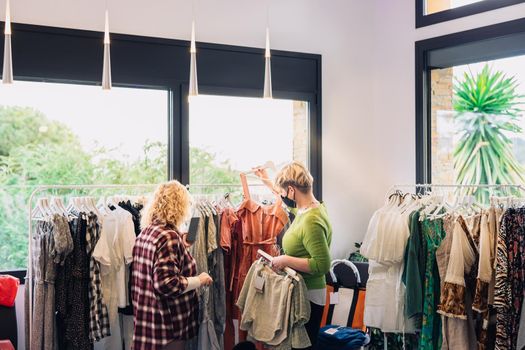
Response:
column 368, row 75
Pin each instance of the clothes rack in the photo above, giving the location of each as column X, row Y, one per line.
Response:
column 457, row 186
column 427, row 186
column 219, row 185
column 42, row 189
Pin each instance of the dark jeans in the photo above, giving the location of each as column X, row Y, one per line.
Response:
column 313, row 326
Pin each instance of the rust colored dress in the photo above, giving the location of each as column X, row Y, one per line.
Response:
column 252, row 227
column 261, row 224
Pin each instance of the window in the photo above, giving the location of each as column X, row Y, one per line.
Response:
column 434, row 6
column 472, row 131
column 73, row 134
column 435, row 11
column 229, row 135
column 157, row 112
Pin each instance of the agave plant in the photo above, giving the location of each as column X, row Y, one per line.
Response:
column 487, row 110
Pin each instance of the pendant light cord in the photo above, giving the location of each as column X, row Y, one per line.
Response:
column 267, row 13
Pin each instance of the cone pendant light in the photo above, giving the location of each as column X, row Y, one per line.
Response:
column 7, row 72
column 106, row 70
column 194, row 85
column 268, row 68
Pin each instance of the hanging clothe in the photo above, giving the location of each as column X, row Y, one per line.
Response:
column 510, row 278
column 72, row 292
column 219, row 285
column 463, row 267
column 202, row 250
column 114, row 252
column 52, row 243
column 283, row 298
column 384, row 245
column 99, row 326
column 414, row 271
column 458, row 333
column 261, row 224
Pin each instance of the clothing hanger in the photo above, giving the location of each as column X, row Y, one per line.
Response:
column 90, row 201
column 245, row 188
column 61, row 203
column 209, row 207
column 443, row 206
column 83, row 204
column 47, row 207
column 55, row 205
column 39, row 212
column 268, row 165
column 267, row 257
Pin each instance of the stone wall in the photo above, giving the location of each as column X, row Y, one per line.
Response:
column 443, row 130
column 301, row 132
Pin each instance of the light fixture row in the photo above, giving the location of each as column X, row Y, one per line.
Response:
column 7, row 72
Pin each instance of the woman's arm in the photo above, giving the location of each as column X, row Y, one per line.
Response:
column 298, row 264
column 315, row 242
column 262, row 174
column 167, row 277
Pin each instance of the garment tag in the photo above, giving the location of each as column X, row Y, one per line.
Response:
column 259, row 283
column 331, row 331
column 485, row 324
column 334, row 298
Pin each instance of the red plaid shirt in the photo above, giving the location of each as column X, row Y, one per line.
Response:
column 163, row 312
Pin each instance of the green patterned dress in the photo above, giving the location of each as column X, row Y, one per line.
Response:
column 434, row 233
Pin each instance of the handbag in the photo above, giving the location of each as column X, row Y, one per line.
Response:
column 8, row 290
column 341, row 338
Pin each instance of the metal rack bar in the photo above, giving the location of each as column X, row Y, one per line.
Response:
column 518, row 186
column 220, row 185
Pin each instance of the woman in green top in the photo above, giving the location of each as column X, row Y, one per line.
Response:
column 306, row 243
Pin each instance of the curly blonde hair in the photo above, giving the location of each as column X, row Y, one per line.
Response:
column 297, row 175
column 170, row 205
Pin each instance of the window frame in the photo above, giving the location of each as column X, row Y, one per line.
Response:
column 484, row 36
column 75, row 56
column 423, row 20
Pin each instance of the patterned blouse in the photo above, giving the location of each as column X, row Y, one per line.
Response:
column 433, row 233
column 510, row 277
column 163, row 312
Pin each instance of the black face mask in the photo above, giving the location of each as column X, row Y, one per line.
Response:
column 289, row 202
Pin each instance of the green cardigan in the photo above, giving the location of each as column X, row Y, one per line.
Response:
column 309, row 237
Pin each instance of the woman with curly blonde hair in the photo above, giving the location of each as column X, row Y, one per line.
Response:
column 164, row 275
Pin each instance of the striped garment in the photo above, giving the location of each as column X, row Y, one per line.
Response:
column 510, row 278
column 163, row 312
column 98, row 312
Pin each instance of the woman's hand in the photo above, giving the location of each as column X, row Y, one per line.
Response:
column 280, row 262
column 262, row 174
column 205, row 279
